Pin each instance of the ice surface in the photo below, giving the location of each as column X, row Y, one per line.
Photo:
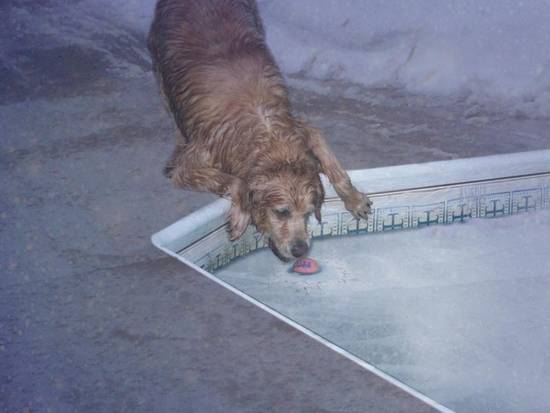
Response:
column 459, row 312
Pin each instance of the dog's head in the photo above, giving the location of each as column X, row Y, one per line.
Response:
column 282, row 200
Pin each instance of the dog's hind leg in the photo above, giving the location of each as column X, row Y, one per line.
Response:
column 356, row 202
column 189, row 169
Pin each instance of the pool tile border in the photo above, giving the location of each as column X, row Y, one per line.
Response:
column 451, row 204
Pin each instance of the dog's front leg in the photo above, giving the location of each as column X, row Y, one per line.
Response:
column 187, row 173
column 356, row 202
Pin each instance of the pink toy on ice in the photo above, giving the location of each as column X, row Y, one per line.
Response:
column 305, row 266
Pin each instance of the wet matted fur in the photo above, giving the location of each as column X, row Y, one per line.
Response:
column 237, row 135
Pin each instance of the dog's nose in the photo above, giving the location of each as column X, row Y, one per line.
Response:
column 299, row 249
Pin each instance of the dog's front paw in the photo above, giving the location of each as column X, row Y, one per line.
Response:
column 359, row 205
column 238, row 222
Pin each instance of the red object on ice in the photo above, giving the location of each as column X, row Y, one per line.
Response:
column 305, row 266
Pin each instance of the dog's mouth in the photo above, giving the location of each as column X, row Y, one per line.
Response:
column 276, row 251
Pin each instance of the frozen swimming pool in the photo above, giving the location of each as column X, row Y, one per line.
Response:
column 461, row 312
column 455, row 314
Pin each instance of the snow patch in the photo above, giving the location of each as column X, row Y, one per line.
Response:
column 493, row 49
column 487, row 49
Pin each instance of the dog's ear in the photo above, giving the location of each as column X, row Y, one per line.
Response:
column 239, row 214
column 256, row 202
column 239, row 219
column 318, row 201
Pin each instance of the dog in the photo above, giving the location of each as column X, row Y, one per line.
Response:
column 237, row 136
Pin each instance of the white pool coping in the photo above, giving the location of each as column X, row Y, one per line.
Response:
column 387, row 180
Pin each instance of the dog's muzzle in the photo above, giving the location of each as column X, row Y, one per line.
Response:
column 276, row 251
column 299, row 249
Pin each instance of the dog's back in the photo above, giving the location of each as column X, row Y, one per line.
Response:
column 240, row 138
column 205, row 29
column 213, row 66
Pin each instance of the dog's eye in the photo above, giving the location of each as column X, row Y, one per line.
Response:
column 282, row 212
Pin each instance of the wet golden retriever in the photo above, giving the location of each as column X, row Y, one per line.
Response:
column 237, row 135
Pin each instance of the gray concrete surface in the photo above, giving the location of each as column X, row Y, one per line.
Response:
column 92, row 317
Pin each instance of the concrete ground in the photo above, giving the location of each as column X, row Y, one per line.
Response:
column 92, row 317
